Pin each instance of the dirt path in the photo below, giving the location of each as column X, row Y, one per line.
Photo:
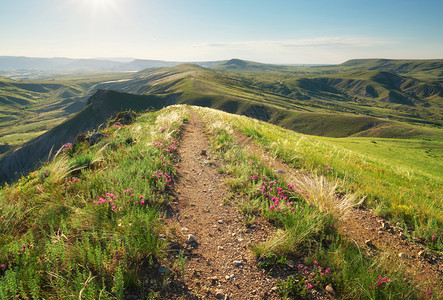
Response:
column 219, row 264
column 361, row 226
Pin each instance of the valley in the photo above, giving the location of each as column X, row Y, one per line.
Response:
column 312, row 182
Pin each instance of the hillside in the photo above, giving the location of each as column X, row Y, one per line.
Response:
column 100, row 107
column 188, row 202
column 342, row 103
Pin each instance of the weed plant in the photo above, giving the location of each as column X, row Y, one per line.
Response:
column 86, row 225
column 303, row 229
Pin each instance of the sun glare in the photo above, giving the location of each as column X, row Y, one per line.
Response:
column 100, row 5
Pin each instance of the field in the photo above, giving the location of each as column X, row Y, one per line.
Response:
column 91, row 223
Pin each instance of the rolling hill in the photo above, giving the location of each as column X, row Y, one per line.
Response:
column 362, row 98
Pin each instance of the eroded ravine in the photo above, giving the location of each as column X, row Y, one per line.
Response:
column 219, row 265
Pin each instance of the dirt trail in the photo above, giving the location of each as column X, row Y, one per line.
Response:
column 362, row 225
column 219, row 265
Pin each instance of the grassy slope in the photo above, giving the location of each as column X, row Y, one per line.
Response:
column 407, row 91
column 57, row 233
column 397, row 181
column 30, row 108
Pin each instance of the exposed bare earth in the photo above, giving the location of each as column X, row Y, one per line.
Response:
column 369, row 233
column 219, row 264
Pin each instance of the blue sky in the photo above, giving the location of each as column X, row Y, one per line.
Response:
column 271, row 31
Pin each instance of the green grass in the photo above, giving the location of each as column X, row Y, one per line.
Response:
column 303, row 230
column 404, row 186
column 86, row 225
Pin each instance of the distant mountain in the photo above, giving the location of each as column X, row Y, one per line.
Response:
column 60, row 64
column 400, row 66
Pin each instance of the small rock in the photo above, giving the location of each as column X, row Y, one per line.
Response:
column 219, row 294
column 422, row 253
column 162, row 236
column 213, row 280
column 237, row 263
column 184, row 229
column 240, row 239
column 220, row 221
column 192, row 239
column 164, row 270
column 279, row 171
column 329, row 289
column 403, row 255
column 228, row 277
column 220, row 247
column 369, row 243
column 203, row 152
column 290, row 263
column 380, row 232
column 274, row 288
column 385, row 226
column 95, row 138
column 402, row 235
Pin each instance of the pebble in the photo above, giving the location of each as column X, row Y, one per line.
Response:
column 184, row 229
column 192, row 239
column 237, row 263
column 290, row 263
column 220, row 221
column 219, row 294
column 385, row 226
column 422, row 253
column 330, row 289
column 220, row 247
column 403, row 255
column 228, row 277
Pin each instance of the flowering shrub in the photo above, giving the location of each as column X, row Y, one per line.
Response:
column 167, row 145
column 117, row 203
column 67, row 147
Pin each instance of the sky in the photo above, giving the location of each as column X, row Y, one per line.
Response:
column 274, row 31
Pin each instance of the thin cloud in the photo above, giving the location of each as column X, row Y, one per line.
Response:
column 293, row 43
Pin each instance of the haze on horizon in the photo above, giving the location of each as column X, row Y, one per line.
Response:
column 289, row 32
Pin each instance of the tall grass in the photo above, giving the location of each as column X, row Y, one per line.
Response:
column 304, row 225
column 86, row 225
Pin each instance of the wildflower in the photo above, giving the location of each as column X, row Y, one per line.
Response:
column 370, row 287
column 307, row 196
column 141, row 197
column 379, row 283
column 3, row 266
column 293, row 208
column 433, row 238
column 300, row 266
column 315, row 262
column 309, row 285
column 142, row 202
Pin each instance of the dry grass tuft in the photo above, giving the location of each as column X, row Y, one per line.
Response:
column 319, row 191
